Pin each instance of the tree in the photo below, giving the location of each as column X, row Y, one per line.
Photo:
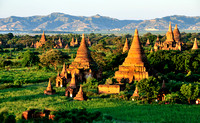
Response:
column 53, row 57
column 148, row 87
column 190, row 92
column 29, row 58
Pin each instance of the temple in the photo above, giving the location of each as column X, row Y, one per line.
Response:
column 49, row 90
column 173, row 40
column 133, row 68
column 58, row 44
column 157, row 44
column 61, row 79
column 126, row 47
column 67, row 46
column 41, row 42
column 195, row 46
column 72, row 43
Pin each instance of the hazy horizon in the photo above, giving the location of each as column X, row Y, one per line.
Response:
column 122, row 10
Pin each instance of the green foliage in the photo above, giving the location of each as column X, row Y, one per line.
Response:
column 79, row 116
column 190, row 92
column 29, row 58
column 148, row 87
column 53, row 57
column 91, row 83
column 5, row 117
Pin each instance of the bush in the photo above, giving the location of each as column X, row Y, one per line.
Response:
column 5, row 117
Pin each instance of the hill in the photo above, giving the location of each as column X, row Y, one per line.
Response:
column 65, row 22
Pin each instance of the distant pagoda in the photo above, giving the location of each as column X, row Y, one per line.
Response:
column 133, row 68
column 41, row 42
column 195, row 46
column 72, row 43
column 126, row 47
column 49, row 90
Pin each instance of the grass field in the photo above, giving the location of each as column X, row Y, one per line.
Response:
column 17, row 100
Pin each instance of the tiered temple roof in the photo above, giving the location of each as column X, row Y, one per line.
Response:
column 195, row 46
column 177, row 35
column 79, row 95
column 126, row 47
column 133, row 67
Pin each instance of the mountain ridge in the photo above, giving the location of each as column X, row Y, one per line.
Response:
column 64, row 22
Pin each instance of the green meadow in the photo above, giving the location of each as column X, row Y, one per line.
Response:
column 17, row 100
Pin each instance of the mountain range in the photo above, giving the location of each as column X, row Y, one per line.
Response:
column 65, row 22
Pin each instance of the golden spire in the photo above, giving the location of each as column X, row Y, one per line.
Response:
column 135, row 53
column 177, row 35
column 49, row 87
column 82, row 52
column 126, row 47
column 195, row 46
column 79, row 95
column 169, row 34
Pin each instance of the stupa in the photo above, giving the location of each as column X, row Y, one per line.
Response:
column 76, row 42
column 72, row 43
column 148, row 42
column 49, row 90
column 67, row 46
column 177, row 35
column 41, row 42
column 136, row 92
column 133, row 68
column 79, row 96
column 126, row 47
column 195, row 46
column 59, row 43
column 89, row 42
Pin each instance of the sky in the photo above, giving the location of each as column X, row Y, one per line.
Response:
column 120, row 9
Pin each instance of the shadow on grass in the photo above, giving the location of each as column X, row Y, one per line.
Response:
column 30, row 97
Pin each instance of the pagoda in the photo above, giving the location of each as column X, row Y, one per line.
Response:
column 170, row 43
column 41, row 42
column 195, row 46
column 49, row 90
column 59, row 43
column 76, row 42
column 72, row 43
column 148, row 42
column 89, row 42
column 67, row 46
column 133, row 68
column 126, row 47
column 157, row 44
column 136, row 92
column 79, row 96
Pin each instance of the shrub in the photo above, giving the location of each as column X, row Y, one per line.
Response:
column 5, row 117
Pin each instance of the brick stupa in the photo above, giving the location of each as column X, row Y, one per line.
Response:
column 60, row 45
column 148, row 42
column 126, row 47
column 79, row 96
column 133, row 68
column 76, row 42
column 67, row 46
column 195, row 46
column 49, row 90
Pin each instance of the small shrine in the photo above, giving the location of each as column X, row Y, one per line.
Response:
column 49, row 90
column 66, row 46
column 80, row 96
column 163, row 91
column 76, row 42
column 148, row 42
column 61, row 79
column 89, row 42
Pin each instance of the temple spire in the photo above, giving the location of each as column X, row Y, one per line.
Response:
column 195, row 46
column 126, row 47
column 169, row 34
column 176, row 33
